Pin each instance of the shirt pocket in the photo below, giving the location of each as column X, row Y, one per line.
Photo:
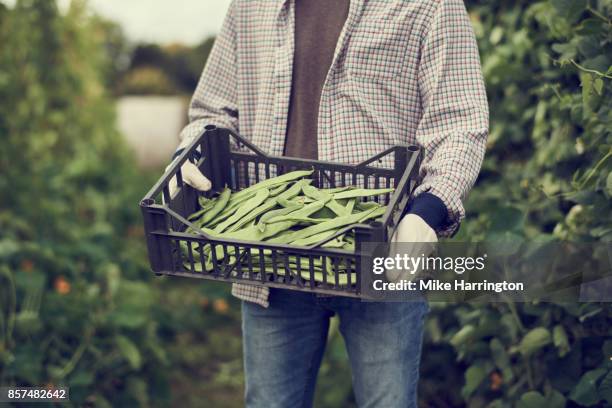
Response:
column 376, row 50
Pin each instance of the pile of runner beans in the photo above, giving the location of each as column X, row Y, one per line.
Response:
column 287, row 210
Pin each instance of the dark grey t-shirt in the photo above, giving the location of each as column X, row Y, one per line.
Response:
column 318, row 24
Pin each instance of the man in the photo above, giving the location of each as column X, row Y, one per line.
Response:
column 342, row 80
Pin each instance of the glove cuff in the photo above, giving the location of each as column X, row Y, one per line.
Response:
column 431, row 209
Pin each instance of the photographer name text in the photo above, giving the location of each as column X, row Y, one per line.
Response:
column 440, row 286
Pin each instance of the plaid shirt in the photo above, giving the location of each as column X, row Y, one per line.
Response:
column 403, row 72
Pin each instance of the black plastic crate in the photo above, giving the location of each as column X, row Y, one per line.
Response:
column 293, row 267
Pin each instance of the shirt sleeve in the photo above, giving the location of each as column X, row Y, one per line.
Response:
column 454, row 125
column 214, row 101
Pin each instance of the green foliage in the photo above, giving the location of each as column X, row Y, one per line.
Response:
column 545, row 177
column 73, row 307
column 78, row 304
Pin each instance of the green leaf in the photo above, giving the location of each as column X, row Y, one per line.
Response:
column 598, row 85
column 586, row 81
column 609, row 184
column 496, row 404
column 498, row 352
column 507, row 219
column 129, row 350
column 503, row 243
column 589, row 46
column 585, row 392
column 560, row 340
column 566, row 51
column 598, row 63
column 496, row 35
column 590, row 26
column 569, row 9
column 81, row 379
column 532, row 399
column 101, row 402
column 534, row 340
column 474, row 376
column 605, row 388
column 556, row 400
column 501, row 359
column 465, row 334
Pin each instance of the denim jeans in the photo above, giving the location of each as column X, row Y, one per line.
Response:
column 284, row 344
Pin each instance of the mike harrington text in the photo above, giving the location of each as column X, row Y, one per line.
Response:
column 457, row 285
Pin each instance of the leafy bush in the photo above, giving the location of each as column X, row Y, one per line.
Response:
column 547, row 176
column 78, row 304
column 73, row 307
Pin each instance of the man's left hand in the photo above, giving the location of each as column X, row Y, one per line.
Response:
column 413, row 237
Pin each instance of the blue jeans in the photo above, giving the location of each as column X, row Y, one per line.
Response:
column 284, row 344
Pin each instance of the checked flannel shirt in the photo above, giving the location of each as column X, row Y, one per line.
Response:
column 403, row 72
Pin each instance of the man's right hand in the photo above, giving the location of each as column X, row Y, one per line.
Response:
column 192, row 176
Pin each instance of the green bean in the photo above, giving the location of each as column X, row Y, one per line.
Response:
column 294, row 190
column 251, row 217
column 283, row 202
column 271, row 214
column 376, row 213
column 337, row 189
column 277, row 190
column 306, row 199
column 350, row 205
column 244, row 209
column 205, row 205
column 274, row 181
column 220, row 204
column 343, row 277
column 231, row 208
column 362, row 192
column 330, row 203
column 313, row 239
column 297, row 214
column 300, row 269
column 274, row 211
column 269, row 204
column 239, row 198
column 253, row 234
column 300, row 219
column 367, row 205
column 333, row 224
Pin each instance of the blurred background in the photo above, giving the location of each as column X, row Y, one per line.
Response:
column 92, row 98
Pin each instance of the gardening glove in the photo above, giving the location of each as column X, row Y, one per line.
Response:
column 414, row 238
column 192, row 176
